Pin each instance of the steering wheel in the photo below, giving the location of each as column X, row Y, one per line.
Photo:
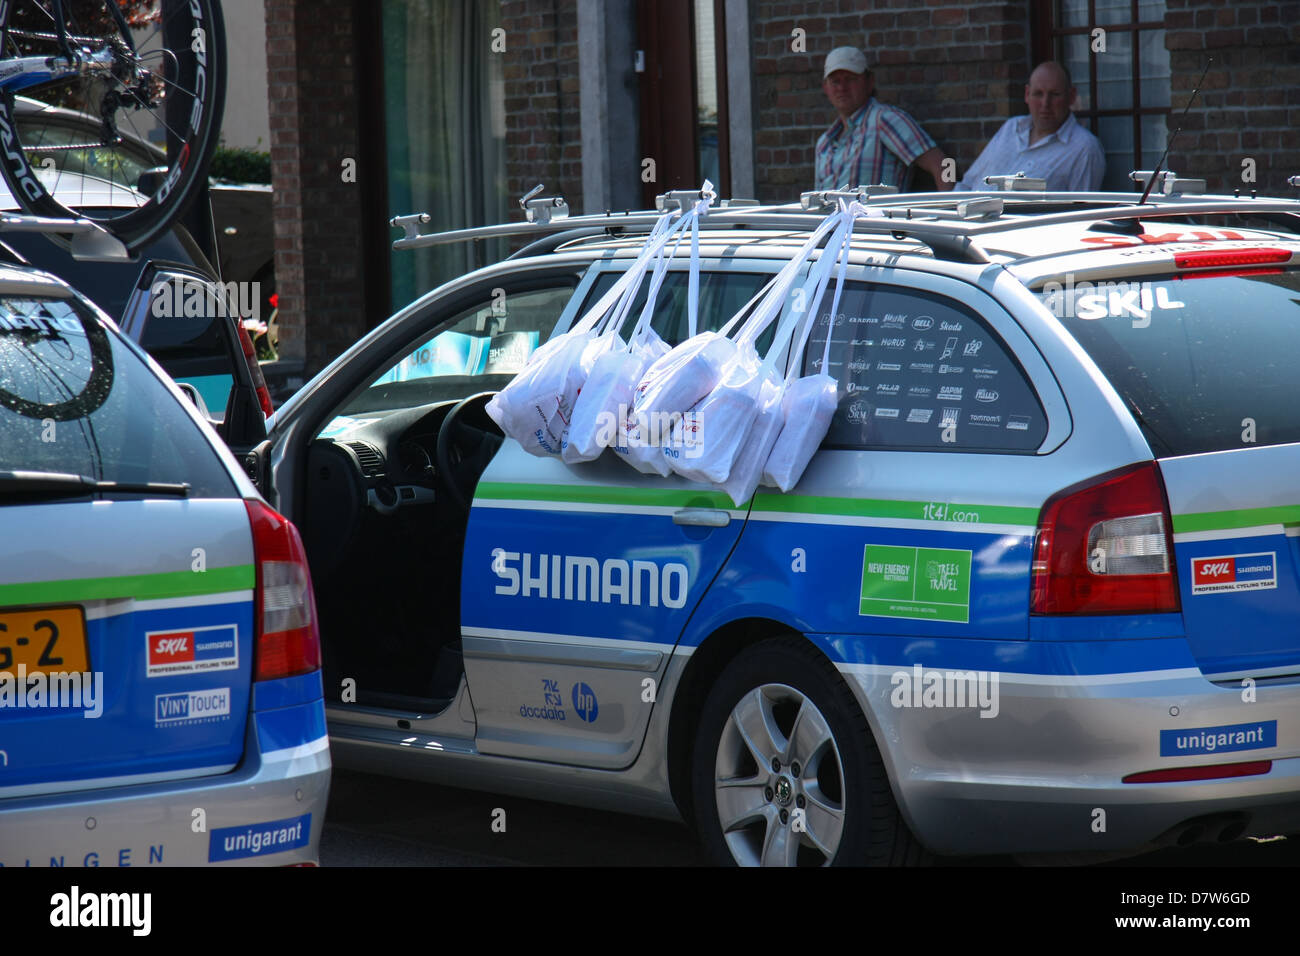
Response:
column 467, row 441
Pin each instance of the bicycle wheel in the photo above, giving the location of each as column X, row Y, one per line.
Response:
column 115, row 116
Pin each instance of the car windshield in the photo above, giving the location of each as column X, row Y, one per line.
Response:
column 1205, row 362
column 75, row 399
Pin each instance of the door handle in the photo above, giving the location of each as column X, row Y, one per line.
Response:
column 702, row 518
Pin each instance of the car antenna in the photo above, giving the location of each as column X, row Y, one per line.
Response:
column 1155, row 173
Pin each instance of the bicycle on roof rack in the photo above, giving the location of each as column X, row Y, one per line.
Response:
column 87, row 85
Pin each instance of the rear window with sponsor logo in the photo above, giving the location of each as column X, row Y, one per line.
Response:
column 1204, row 362
column 74, row 399
column 921, row 371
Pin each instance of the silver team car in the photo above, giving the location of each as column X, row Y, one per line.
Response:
column 1039, row 591
column 160, row 690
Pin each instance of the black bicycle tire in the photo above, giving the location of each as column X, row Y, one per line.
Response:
column 145, row 223
column 93, row 394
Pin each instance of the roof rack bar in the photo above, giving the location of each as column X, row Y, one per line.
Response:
column 544, row 208
column 1144, row 211
column 948, row 228
column 1169, row 182
column 826, row 199
column 946, row 244
column 91, row 242
column 1018, row 182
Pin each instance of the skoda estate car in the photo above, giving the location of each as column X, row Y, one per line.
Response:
column 160, row 691
column 1038, row 592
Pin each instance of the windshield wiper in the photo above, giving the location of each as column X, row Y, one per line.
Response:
column 51, row 484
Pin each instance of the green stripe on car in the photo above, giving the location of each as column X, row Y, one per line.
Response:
column 141, row 587
column 765, row 503
column 1287, row 515
column 904, row 510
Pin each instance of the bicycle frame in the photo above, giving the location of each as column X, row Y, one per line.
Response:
column 20, row 73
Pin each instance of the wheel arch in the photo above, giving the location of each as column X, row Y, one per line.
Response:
column 718, row 649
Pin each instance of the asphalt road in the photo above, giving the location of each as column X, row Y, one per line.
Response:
column 378, row 821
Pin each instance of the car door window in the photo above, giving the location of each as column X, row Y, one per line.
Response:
column 721, row 296
column 479, row 349
column 185, row 330
column 921, row 371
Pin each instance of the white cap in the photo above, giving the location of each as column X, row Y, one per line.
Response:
column 845, row 58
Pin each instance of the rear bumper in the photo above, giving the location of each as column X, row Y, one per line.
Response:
column 269, row 810
column 1044, row 772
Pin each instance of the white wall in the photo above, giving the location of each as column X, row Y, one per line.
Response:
column 246, row 117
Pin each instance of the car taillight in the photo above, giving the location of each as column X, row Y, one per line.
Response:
column 286, row 639
column 254, row 369
column 1105, row 547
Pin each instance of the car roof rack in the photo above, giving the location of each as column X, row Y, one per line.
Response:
column 1168, row 183
column 948, row 223
column 91, row 242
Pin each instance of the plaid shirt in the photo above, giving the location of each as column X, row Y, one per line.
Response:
column 878, row 145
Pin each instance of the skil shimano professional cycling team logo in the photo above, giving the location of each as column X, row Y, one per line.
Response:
column 567, row 577
column 187, row 652
column 1234, row 572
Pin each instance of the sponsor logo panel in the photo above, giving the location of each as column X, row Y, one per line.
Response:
column 924, row 584
column 1234, row 572
column 259, row 839
column 192, row 651
column 1209, row 740
column 192, row 707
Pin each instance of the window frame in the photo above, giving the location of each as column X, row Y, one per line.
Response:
column 971, row 314
column 1048, row 44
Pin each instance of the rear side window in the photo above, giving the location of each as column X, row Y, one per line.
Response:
column 921, row 371
column 1206, row 363
column 74, row 399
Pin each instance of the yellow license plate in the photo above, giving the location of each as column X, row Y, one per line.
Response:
column 50, row 640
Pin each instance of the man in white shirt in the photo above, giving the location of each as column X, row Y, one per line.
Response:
column 1048, row 144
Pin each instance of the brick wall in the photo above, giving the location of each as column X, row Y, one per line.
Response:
column 1249, row 105
column 543, row 125
column 318, row 217
column 958, row 68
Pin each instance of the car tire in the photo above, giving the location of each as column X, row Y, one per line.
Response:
column 796, row 709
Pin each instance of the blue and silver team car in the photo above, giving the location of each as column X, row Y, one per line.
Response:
column 160, row 688
column 1037, row 593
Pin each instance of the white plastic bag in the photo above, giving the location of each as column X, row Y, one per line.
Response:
column 809, row 402
column 670, row 383
column 535, row 408
column 604, row 405
column 723, row 420
column 709, row 435
column 747, row 469
column 677, row 393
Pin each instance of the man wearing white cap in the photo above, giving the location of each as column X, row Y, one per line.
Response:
column 870, row 142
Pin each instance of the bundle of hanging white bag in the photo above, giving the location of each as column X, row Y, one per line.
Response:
column 710, row 409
